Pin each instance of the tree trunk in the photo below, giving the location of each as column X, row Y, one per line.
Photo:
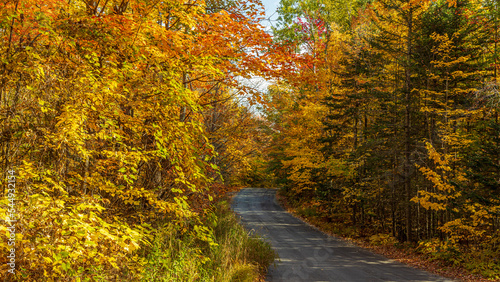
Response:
column 408, row 85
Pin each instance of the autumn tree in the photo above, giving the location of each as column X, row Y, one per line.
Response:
column 103, row 110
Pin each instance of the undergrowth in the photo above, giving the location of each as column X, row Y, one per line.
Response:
column 234, row 255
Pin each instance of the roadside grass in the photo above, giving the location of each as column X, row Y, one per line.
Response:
column 236, row 256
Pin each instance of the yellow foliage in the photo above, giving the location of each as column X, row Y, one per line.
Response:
column 102, row 110
column 444, row 191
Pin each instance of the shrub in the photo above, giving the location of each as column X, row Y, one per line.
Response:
column 234, row 255
column 382, row 239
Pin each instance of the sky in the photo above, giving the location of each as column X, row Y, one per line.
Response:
column 271, row 6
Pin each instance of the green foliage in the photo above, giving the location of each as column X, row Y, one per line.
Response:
column 388, row 122
column 479, row 260
column 235, row 256
column 307, row 212
column 484, row 266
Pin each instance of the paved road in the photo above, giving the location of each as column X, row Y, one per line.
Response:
column 309, row 255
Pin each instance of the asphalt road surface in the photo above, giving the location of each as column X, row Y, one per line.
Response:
column 306, row 254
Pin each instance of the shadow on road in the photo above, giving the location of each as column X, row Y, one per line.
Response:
column 307, row 254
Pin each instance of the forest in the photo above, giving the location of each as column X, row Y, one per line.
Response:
column 387, row 125
column 125, row 126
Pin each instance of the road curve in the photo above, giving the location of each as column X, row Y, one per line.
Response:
column 306, row 254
